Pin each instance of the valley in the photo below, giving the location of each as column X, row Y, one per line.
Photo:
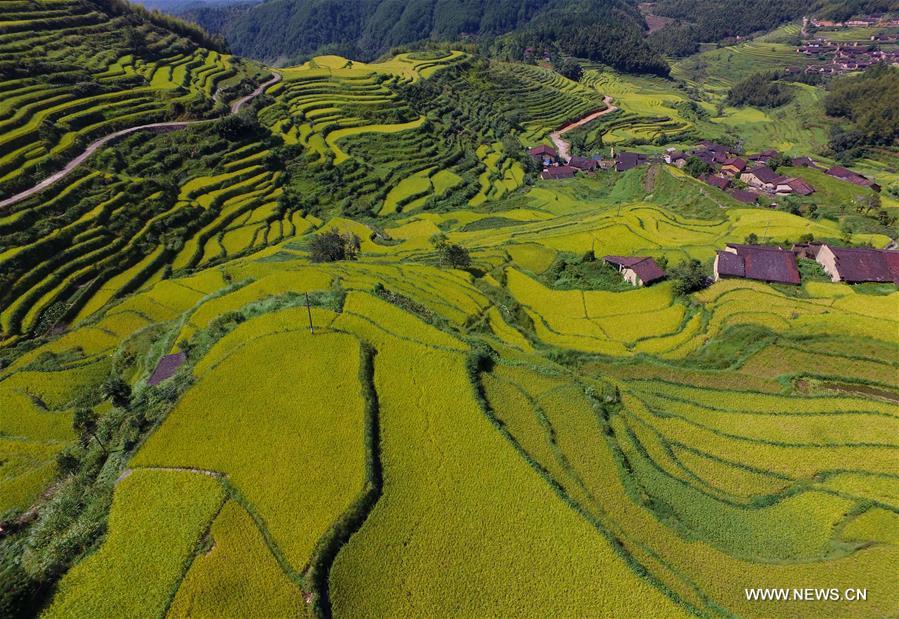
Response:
column 376, row 338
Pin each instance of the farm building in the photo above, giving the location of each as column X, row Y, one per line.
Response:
column 797, row 186
column 558, row 172
column 637, row 270
column 746, row 197
column 803, row 162
column 765, row 264
column 626, row 161
column 734, row 166
column 847, row 175
column 584, row 164
column 717, row 181
column 544, row 154
column 763, row 177
column 676, row 158
column 167, row 367
column 855, row 265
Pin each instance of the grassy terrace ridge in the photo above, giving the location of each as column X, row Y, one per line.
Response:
column 483, row 420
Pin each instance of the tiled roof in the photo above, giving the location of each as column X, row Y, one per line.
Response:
column 767, row 264
column 863, row 264
column 647, row 269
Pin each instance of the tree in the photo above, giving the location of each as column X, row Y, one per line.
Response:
column 118, row 391
column 696, row 167
column 453, row 256
column 85, row 424
column 689, row 277
column 752, row 239
column 569, row 68
column 332, row 246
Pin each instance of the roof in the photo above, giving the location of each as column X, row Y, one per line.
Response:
column 583, row 163
column 848, row 175
column 647, row 269
column 746, row 197
column 736, row 162
column 803, row 162
column 767, row 264
column 543, row 149
column 167, row 367
column 767, row 175
column 562, row 171
column 626, row 161
column 765, row 155
column 866, row 264
column 717, row 181
column 730, row 264
column 800, row 186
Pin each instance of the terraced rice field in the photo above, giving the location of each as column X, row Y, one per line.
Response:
column 389, row 436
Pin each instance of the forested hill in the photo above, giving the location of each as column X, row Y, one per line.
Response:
column 285, row 30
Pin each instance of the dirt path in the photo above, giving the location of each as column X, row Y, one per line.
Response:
column 563, row 146
column 101, row 142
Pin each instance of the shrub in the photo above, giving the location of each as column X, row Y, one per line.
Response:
column 333, row 246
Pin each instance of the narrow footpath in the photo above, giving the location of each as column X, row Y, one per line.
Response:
column 564, row 146
column 101, row 142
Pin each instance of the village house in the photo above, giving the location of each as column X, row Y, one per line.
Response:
column 855, row 265
column 803, row 162
column 676, row 158
column 847, row 175
column 637, row 270
column 627, row 161
column 545, row 155
column 746, row 197
column 734, row 166
column 797, row 186
column 558, row 172
column 584, row 164
column 763, row 178
column 717, row 181
column 765, row 156
column 764, row 264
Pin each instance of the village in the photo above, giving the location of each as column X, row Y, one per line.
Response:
column 829, row 56
column 747, row 179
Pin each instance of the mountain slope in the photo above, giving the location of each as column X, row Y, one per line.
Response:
column 287, row 30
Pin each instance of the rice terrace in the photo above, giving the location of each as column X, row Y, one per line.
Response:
column 420, row 308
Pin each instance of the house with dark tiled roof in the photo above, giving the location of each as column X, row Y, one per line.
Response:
column 763, row 178
column 746, row 197
column 734, row 166
column 676, row 158
column 765, row 156
column 798, row 186
column 855, row 265
column 558, row 172
column 809, row 251
column 627, row 161
column 847, row 175
column 758, row 262
column 584, row 164
column 167, row 367
column 803, row 162
column 544, row 154
column 717, row 181
column 637, row 270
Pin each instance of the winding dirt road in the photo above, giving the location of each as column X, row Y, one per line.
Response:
column 563, row 146
column 101, row 142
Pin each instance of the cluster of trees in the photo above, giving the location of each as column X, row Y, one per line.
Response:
column 760, row 90
column 704, row 21
column 869, row 101
column 607, row 31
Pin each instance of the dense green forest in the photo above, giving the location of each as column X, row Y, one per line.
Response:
column 610, row 31
column 869, row 101
column 703, row 21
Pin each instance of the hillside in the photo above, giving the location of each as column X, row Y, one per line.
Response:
column 329, row 342
column 285, row 30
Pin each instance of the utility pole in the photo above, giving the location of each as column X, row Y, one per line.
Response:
column 309, row 312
